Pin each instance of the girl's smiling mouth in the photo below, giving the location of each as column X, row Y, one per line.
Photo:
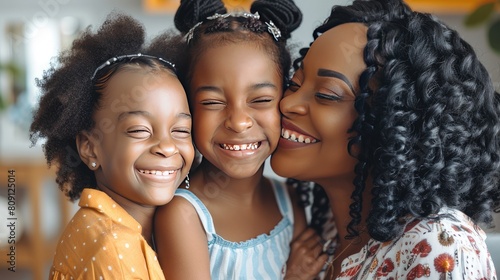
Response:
column 157, row 172
column 241, row 147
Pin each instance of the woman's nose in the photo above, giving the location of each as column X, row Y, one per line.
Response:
column 293, row 103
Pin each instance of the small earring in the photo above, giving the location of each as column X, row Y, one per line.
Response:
column 187, row 181
column 93, row 164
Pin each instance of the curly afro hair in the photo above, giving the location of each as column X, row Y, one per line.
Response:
column 429, row 133
column 70, row 97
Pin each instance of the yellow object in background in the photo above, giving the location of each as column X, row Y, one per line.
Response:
column 445, row 6
column 169, row 6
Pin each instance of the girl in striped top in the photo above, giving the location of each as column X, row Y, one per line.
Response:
column 230, row 222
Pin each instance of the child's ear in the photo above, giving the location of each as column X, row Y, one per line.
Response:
column 86, row 149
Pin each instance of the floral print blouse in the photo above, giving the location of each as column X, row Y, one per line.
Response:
column 450, row 246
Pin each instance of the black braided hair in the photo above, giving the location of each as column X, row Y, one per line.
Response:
column 190, row 12
column 69, row 97
column 429, row 134
column 313, row 195
column 285, row 15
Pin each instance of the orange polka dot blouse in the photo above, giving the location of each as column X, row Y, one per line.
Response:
column 103, row 241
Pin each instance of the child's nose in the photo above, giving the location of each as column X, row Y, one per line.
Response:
column 238, row 120
column 165, row 147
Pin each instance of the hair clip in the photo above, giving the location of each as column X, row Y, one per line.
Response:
column 235, row 14
column 190, row 33
column 271, row 27
column 117, row 58
column 275, row 31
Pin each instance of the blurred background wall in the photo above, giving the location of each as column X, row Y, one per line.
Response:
column 32, row 32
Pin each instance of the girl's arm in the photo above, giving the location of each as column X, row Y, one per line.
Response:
column 181, row 242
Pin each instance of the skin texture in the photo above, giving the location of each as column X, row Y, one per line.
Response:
column 240, row 107
column 319, row 105
column 234, row 97
column 143, row 123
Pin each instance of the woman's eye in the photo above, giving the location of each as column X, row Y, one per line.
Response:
column 328, row 97
column 293, row 86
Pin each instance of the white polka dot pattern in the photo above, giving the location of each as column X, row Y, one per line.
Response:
column 103, row 241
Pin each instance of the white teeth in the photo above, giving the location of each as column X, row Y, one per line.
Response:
column 286, row 134
column 157, row 172
column 292, row 136
column 243, row 147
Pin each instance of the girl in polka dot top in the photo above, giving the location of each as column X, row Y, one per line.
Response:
column 118, row 128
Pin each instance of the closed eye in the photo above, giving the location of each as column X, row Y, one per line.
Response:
column 328, row 97
column 293, row 86
column 139, row 133
column 181, row 133
column 211, row 102
column 263, row 100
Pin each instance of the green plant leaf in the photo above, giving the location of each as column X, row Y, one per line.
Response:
column 480, row 15
column 494, row 36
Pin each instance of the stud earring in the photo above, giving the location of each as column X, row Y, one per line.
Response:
column 93, row 164
column 187, row 181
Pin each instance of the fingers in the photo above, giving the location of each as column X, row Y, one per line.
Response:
column 305, row 235
column 306, row 257
column 308, row 242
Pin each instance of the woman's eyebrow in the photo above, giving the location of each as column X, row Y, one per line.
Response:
column 334, row 74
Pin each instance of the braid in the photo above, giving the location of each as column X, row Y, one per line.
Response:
column 190, row 12
column 314, row 197
column 234, row 29
column 284, row 14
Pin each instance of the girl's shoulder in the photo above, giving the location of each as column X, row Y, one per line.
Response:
column 184, row 212
column 183, row 203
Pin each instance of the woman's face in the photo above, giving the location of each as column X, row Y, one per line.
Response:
column 234, row 94
column 318, row 108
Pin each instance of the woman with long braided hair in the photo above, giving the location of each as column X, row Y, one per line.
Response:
column 394, row 116
column 230, row 222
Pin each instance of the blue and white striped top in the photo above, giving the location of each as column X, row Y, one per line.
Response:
column 262, row 257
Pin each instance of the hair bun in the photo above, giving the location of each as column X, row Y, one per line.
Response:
column 190, row 12
column 284, row 14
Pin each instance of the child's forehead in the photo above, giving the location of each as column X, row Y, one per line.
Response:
column 235, row 53
column 134, row 85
